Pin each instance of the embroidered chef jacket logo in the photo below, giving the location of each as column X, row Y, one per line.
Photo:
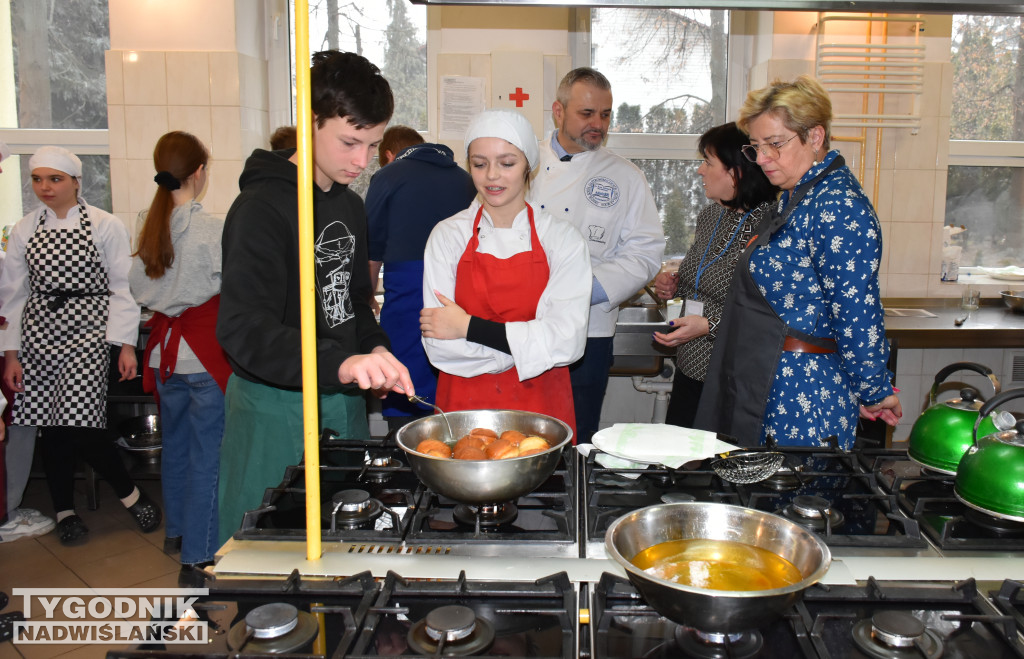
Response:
column 595, row 233
column 333, row 252
column 602, row 192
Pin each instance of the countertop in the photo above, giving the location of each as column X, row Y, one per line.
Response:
column 990, row 326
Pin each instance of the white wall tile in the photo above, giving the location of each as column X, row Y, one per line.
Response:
column 119, row 188
column 907, row 254
column 226, row 141
column 223, row 186
column 115, row 76
column 145, row 79
column 224, row 82
column 188, row 78
column 193, row 119
column 252, row 83
column 909, row 362
column 907, row 285
column 144, row 124
column 116, row 135
column 141, row 187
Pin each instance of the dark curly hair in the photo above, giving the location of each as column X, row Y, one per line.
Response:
column 752, row 186
column 349, row 85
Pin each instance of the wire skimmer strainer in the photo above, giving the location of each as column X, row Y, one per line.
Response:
column 747, row 467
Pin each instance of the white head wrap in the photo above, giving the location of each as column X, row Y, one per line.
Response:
column 510, row 126
column 5, row 151
column 57, row 158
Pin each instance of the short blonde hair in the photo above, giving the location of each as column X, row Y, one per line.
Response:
column 800, row 105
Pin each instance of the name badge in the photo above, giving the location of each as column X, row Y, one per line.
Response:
column 693, row 308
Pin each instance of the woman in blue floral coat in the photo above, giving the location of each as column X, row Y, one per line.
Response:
column 804, row 350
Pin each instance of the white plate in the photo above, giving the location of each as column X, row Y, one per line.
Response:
column 658, row 443
column 1009, row 273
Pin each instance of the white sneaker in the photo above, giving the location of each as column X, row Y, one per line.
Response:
column 25, row 523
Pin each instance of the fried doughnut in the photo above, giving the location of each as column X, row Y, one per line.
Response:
column 533, row 443
column 434, row 447
column 469, row 453
column 474, row 441
column 513, row 437
column 485, row 434
column 501, row 449
column 531, row 451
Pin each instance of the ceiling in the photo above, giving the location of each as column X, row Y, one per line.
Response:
column 901, row 6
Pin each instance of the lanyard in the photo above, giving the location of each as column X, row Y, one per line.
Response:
column 700, row 266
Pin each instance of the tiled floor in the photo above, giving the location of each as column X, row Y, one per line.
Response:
column 116, row 555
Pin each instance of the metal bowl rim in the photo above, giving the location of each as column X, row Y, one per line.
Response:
column 401, row 444
column 799, row 586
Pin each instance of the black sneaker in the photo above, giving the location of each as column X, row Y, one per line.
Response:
column 172, row 545
column 146, row 513
column 72, row 531
column 191, row 575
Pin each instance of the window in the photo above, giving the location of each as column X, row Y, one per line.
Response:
column 985, row 182
column 668, row 69
column 59, row 83
column 389, row 33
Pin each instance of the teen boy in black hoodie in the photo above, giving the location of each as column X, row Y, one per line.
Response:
column 258, row 324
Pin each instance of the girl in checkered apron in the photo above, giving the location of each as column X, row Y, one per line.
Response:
column 64, row 291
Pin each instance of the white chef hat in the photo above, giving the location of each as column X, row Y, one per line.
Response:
column 5, row 151
column 58, row 158
column 510, row 126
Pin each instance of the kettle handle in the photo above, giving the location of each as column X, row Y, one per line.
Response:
column 991, row 405
column 961, row 366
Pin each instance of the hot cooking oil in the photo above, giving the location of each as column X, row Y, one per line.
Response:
column 717, row 565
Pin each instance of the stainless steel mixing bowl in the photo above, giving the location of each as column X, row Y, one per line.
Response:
column 1014, row 300
column 481, row 482
column 716, row 611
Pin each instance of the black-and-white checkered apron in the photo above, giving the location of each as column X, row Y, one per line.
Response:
column 64, row 352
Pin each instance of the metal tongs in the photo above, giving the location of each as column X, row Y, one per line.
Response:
column 413, row 398
column 745, row 467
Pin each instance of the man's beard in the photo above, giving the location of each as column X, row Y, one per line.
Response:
column 588, row 146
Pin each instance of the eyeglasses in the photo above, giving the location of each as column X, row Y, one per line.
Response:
column 769, row 149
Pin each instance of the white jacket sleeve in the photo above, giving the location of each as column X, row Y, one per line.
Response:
column 14, row 285
column 111, row 238
column 636, row 257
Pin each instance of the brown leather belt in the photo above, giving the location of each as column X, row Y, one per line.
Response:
column 793, row 344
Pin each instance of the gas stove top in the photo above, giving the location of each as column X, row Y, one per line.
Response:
column 824, row 490
column 361, row 617
column 849, row 622
column 927, row 497
column 369, row 494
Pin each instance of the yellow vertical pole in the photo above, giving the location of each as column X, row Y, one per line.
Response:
column 307, row 279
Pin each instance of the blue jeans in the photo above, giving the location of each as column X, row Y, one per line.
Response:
column 192, row 425
column 589, row 377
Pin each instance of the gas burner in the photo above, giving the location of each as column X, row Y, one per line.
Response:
column 786, row 478
column 381, row 468
column 351, row 509
column 1004, row 528
column 813, row 512
column 489, row 516
column 273, row 629
column 703, row 645
column 677, row 497
column 449, row 631
column 896, row 634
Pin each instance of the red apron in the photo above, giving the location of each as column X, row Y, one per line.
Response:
column 506, row 291
column 198, row 327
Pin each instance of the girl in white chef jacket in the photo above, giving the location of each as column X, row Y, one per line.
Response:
column 64, row 292
column 506, row 288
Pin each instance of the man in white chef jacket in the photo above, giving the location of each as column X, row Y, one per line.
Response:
column 607, row 198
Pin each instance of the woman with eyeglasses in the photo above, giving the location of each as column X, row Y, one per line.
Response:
column 740, row 197
column 801, row 350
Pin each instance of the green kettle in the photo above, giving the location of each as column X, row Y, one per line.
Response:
column 990, row 477
column 944, row 431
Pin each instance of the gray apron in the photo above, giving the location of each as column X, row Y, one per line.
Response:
column 749, row 342
column 64, row 351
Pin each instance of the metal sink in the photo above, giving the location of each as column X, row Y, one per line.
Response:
column 634, row 350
